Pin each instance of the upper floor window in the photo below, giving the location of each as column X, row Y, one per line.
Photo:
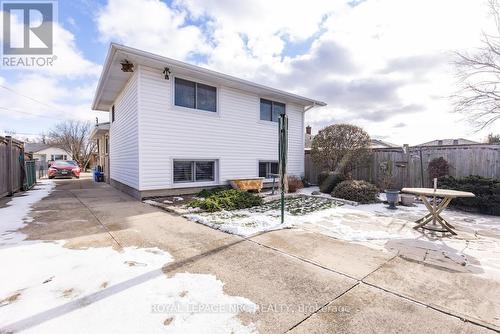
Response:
column 270, row 110
column 195, row 95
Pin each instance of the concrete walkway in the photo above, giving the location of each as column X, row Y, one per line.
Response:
column 305, row 282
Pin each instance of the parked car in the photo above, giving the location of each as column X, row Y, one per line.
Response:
column 64, row 168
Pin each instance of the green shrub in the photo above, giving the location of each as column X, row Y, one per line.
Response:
column 487, row 193
column 208, row 192
column 327, row 181
column 231, row 199
column 356, row 190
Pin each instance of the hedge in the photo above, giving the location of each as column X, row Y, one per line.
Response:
column 356, row 190
column 487, row 193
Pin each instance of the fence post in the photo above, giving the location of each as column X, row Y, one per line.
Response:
column 9, row 166
column 406, row 151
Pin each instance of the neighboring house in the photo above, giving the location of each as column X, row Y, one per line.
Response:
column 176, row 128
column 443, row 142
column 308, row 138
column 100, row 134
column 45, row 153
column 377, row 143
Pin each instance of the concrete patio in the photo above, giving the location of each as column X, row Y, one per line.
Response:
column 303, row 281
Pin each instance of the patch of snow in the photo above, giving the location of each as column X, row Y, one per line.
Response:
column 177, row 198
column 47, row 288
column 308, row 190
column 16, row 213
column 246, row 223
column 100, row 290
column 375, row 226
column 242, row 222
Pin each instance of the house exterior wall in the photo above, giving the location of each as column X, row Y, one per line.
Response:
column 234, row 136
column 124, row 136
column 48, row 152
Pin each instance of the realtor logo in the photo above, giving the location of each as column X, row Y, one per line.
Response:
column 27, row 28
column 28, row 33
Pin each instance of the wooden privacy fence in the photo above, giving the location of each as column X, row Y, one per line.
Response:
column 409, row 165
column 15, row 172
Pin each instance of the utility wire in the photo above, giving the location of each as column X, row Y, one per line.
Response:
column 32, row 99
column 29, row 113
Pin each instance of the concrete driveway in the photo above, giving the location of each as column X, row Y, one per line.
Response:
column 304, row 282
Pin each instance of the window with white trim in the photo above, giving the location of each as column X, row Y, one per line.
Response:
column 268, row 167
column 270, row 110
column 194, row 95
column 55, row 157
column 194, row 171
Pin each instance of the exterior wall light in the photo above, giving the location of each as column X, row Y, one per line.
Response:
column 127, row 66
column 167, row 72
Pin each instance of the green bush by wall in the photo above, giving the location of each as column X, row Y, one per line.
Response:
column 487, row 193
column 227, row 200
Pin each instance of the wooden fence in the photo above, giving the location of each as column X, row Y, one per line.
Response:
column 12, row 169
column 410, row 164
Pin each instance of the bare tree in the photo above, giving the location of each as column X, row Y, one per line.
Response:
column 74, row 138
column 340, row 147
column 479, row 77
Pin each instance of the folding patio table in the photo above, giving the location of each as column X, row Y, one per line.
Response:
column 435, row 209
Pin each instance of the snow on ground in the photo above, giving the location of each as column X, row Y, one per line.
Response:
column 16, row 213
column 47, row 288
column 375, row 226
column 250, row 221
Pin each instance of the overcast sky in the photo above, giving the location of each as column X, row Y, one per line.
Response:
column 382, row 64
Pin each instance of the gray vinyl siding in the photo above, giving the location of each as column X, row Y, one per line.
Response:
column 234, row 136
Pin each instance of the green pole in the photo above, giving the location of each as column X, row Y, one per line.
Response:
column 282, row 154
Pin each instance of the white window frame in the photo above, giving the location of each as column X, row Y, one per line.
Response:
column 265, row 121
column 63, row 156
column 193, row 171
column 196, row 110
column 268, row 167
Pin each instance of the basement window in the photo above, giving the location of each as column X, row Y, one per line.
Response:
column 267, row 167
column 194, row 171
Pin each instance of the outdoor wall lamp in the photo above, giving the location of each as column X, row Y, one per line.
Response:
column 167, row 72
column 127, row 66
